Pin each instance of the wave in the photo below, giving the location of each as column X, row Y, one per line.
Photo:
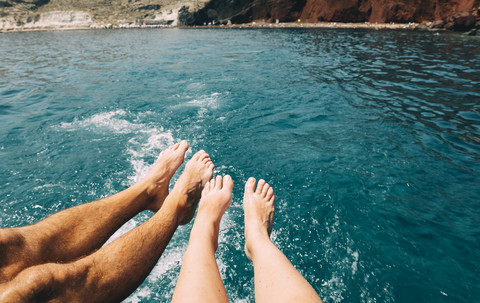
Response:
column 148, row 139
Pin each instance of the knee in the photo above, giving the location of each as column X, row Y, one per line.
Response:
column 54, row 276
column 53, row 281
column 11, row 241
column 38, row 280
column 32, row 284
column 41, row 275
column 12, row 257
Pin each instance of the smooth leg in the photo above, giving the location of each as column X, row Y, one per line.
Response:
column 78, row 231
column 199, row 279
column 116, row 270
column 276, row 280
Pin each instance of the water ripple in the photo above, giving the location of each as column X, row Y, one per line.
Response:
column 371, row 140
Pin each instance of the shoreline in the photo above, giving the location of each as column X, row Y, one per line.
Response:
column 425, row 26
column 349, row 25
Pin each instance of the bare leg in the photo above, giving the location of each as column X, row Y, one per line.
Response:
column 200, row 279
column 114, row 271
column 78, row 231
column 276, row 280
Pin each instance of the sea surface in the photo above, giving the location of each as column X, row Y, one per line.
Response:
column 371, row 140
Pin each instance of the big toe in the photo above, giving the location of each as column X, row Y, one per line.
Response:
column 250, row 185
column 199, row 155
column 228, row 183
column 182, row 146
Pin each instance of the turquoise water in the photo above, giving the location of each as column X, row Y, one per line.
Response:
column 371, row 140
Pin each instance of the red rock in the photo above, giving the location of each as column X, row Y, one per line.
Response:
column 464, row 22
column 382, row 11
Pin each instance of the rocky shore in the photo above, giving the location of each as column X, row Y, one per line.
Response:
column 468, row 22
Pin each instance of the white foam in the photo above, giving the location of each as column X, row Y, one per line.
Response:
column 155, row 143
column 171, row 259
column 148, row 140
column 167, row 269
column 44, row 186
column 102, row 121
column 210, row 101
column 204, row 103
column 342, row 259
column 141, row 293
column 355, row 262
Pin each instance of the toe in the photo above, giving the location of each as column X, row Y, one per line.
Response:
column 260, row 185
column 183, row 145
column 206, row 189
column 228, row 182
column 269, row 194
column 199, row 154
column 265, row 189
column 218, row 182
column 250, row 185
column 204, row 156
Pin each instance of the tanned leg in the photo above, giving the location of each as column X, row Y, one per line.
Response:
column 200, row 279
column 78, row 231
column 116, row 270
column 276, row 280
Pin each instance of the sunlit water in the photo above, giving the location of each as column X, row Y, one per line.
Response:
column 371, row 140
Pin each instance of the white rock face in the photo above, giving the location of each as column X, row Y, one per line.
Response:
column 7, row 23
column 169, row 16
column 50, row 20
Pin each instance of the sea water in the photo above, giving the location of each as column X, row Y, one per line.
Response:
column 371, row 140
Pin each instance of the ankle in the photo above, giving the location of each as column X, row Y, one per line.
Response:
column 206, row 220
column 205, row 231
column 255, row 248
column 179, row 205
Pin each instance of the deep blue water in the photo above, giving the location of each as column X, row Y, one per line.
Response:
column 371, row 140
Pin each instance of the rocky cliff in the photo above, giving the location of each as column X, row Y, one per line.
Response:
column 381, row 11
column 31, row 14
column 57, row 14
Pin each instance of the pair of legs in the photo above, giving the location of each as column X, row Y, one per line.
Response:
column 276, row 280
column 60, row 259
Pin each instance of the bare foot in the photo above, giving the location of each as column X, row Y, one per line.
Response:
column 198, row 171
column 259, row 208
column 162, row 171
column 216, row 198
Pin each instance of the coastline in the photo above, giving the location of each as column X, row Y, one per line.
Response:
column 425, row 26
column 350, row 25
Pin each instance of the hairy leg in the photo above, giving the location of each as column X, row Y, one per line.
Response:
column 276, row 280
column 116, row 270
column 78, row 231
column 200, row 279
